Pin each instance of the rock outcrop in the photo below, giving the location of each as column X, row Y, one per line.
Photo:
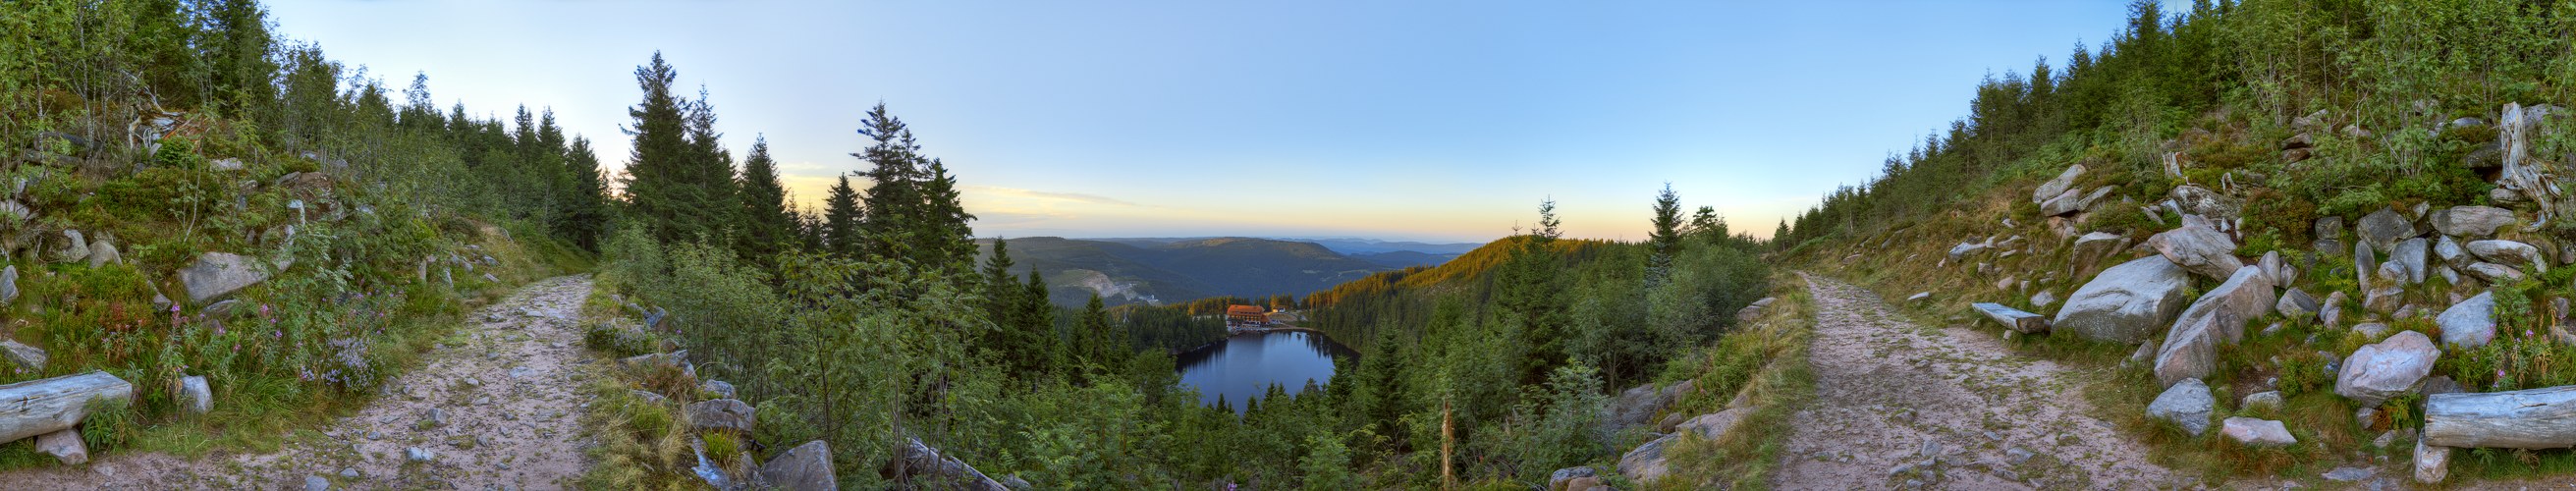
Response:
column 2256, row 432
column 2386, row 369
column 2198, row 248
column 2470, row 323
column 807, row 467
column 217, row 274
column 2186, row 404
column 2191, row 349
column 2127, row 303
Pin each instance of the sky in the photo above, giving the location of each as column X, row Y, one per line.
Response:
column 1410, row 120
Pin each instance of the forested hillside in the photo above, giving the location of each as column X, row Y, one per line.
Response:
column 1172, row 271
column 2280, row 206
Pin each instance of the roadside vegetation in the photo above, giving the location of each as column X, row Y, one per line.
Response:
column 141, row 136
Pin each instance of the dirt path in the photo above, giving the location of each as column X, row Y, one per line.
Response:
column 1900, row 405
column 509, row 387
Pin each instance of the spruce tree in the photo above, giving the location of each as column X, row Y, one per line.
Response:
column 1666, row 240
column 893, row 203
column 658, row 183
column 1094, row 334
column 710, row 172
column 842, row 218
column 587, row 220
column 943, row 235
column 767, row 226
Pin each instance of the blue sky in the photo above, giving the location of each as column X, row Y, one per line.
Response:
column 1412, row 120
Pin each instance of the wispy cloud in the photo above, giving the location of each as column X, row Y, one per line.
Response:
column 1051, row 195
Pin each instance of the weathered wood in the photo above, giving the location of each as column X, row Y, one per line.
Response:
column 2533, row 418
column 37, row 407
column 2015, row 319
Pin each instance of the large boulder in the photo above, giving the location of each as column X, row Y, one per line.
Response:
column 2256, row 432
column 2432, row 463
column 1647, row 462
column 928, row 468
column 2451, row 254
column 2186, row 404
column 70, row 248
column 2382, row 229
column 195, row 396
column 2493, row 273
column 2094, row 245
column 2202, row 201
column 2470, row 323
column 2191, row 349
column 2067, row 203
column 2297, row 304
column 2471, row 221
column 721, row 414
column 2509, row 253
column 1965, row 248
column 807, row 467
column 2064, row 181
column 218, row 273
column 28, row 359
column 2198, row 248
column 2329, row 233
column 1638, row 405
column 2277, row 269
column 2386, row 369
column 66, row 447
column 2410, row 255
column 2126, row 303
column 2364, row 261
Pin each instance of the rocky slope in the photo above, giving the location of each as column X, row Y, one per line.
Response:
column 2383, row 320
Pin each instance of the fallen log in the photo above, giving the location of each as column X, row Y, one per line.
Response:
column 2532, row 418
column 2012, row 318
column 37, row 407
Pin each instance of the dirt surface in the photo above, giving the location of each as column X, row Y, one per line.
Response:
column 1900, row 405
column 509, row 386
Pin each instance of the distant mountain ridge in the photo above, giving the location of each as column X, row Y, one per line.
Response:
column 1173, row 270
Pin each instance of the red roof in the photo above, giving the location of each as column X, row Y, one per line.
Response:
column 1244, row 310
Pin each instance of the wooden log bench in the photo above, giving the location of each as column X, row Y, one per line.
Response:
column 2532, row 418
column 37, row 407
column 2012, row 318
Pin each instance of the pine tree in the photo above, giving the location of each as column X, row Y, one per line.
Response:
column 1666, row 240
column 767, row 226
column 1532, row 294
column 944, row 237
column 1780, row 237
column 587, row 221
column 842, row 218
column 713, row 206
column 1037, row 317
column 1094, row 334
column 657, row 169
column 1709, row 228
column 894, row 201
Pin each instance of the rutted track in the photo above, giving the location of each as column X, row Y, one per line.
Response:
column 1901, row 405
column 510, row 393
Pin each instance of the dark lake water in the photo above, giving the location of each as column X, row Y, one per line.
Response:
column 1244, row 366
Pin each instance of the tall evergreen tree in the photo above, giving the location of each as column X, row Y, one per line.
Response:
column 658, row 186
column 1666, row 240
column 587, row 220
column 767, row 225
column 842, row 219
column 944, row 237
column 710, row 170
column 894, row 203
